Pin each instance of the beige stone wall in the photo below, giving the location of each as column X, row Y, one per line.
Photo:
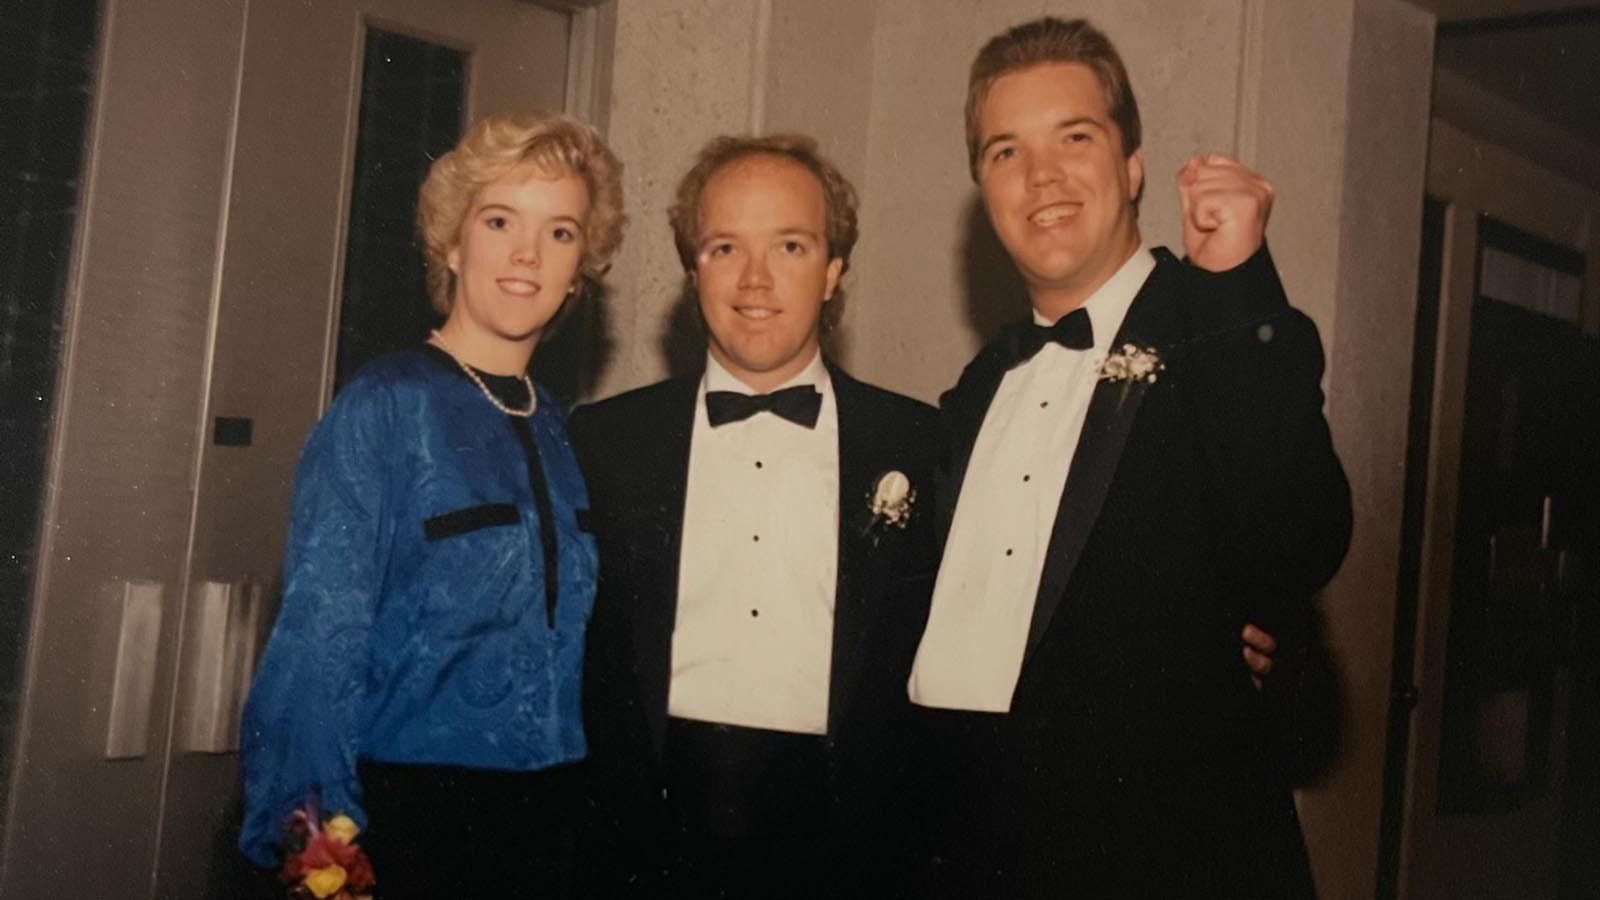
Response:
column 1294, row 132
column 1377, row 232
column 683, row 72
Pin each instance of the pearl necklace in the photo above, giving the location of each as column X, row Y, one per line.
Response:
column 533, row 400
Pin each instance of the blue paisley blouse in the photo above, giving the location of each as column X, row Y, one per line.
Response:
column 418, row 623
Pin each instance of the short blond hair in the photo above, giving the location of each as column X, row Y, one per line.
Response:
column 553, row 144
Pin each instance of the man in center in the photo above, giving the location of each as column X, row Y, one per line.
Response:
column 766, row 535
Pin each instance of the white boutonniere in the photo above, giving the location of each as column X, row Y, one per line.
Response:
column 892, row 497
column 1130, row 363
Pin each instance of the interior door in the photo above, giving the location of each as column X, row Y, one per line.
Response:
column 340, row 104
column 204, row 296
column 1498, row 778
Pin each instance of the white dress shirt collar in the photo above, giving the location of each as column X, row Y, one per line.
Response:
column 1108, row 305
column 718, row 378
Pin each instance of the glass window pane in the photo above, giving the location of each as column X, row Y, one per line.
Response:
column 413, row 97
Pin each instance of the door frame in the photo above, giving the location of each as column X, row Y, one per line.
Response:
column 1474, row 177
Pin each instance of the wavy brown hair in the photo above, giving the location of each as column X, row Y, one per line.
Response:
column 1052, row 40
column 838, row 198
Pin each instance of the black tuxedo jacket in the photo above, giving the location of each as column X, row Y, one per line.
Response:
column 634, row 451
column 1134, row 760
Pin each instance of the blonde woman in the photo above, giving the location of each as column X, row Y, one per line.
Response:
column 423, row 676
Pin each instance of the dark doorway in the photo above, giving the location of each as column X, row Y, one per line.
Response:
column 47, row 71
column 1520, row 713
column 413, row 97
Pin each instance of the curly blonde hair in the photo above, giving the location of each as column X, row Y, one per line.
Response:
column 553, row 144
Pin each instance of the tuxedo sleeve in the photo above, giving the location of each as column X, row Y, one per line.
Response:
column 1254, row 367
column 618, row 812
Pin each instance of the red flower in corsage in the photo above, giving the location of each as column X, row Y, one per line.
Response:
column 324, row 862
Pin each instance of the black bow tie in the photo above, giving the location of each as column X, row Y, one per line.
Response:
column 799, row 404
column 1073, row 331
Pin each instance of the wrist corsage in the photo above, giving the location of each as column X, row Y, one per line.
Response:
column 322, row 860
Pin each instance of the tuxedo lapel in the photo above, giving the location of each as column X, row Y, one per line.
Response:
column 853, row 591
column 1112, row 409
column 655, row 606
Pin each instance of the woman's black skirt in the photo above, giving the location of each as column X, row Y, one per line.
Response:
column 443, row 831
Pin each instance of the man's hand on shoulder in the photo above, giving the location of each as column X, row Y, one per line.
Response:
column 1225, row 210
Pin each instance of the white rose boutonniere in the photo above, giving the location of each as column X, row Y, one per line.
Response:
column 892, row 497
column 1130, row 363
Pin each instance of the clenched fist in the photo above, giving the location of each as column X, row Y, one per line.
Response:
column 1225, row 209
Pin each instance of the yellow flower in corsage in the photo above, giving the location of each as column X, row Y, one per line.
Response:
column 326, row 881
column 342, row 828
column 323, row 861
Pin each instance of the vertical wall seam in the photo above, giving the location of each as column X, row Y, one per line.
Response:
column 1247, row 109
column 575, row 101
column 760, row 53
column 347, row 177
column 591, row 34
column 180, row 596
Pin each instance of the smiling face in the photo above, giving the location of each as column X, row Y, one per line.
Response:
column 1056, row 184
column 517, row 256
column 762, row 269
